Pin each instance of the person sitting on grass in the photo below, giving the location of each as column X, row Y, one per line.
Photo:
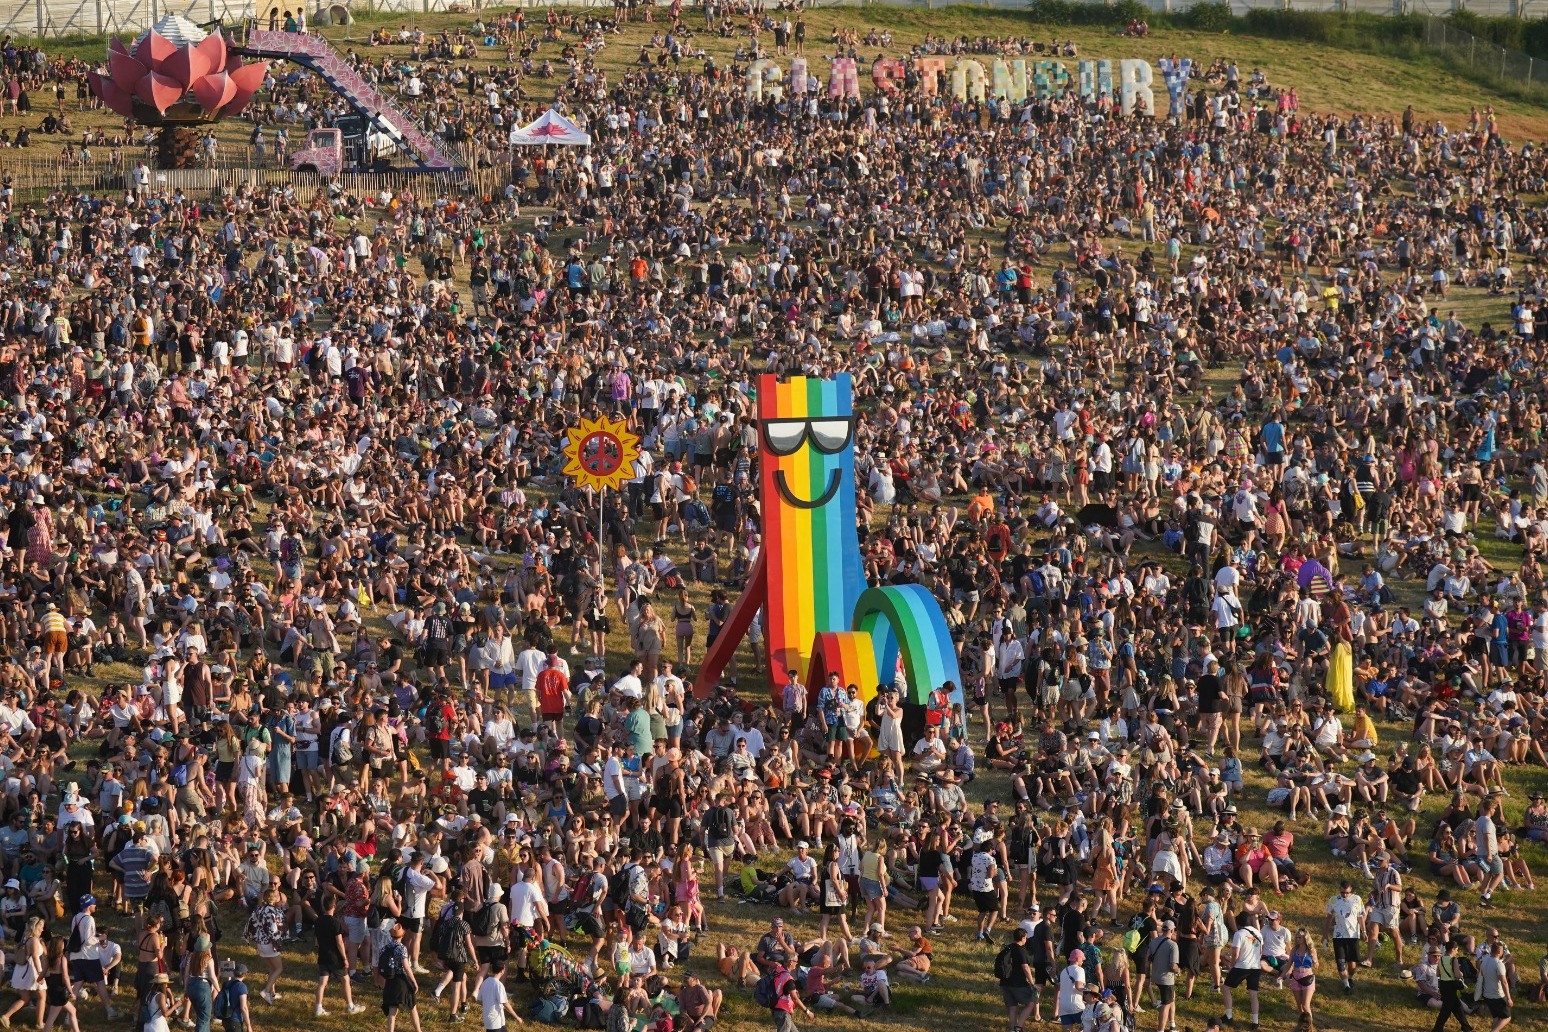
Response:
column 735, row 966
column 914, row 960
column 819, row 994
column 875, row 987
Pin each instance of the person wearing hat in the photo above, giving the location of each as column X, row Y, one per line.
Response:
column 1069, row 1000
column 84, row 951
column 1164, row 963
column 56, row 640
column 156, row 1004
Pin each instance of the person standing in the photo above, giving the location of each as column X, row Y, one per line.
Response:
column 396, row 979
column 1072, row 984
column 1344, row 913
column 1013, row 968
column 332, row 958
column 1486, row 837
column 1449, row 975
column 1493, row 988
column 1246, row 966
column 1165, row 963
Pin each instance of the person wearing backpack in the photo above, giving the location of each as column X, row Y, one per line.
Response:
column 84, row 952
column 1013, row 970
column 454, row 946
column 490, row 925
column 786, row 997
column 231, row 1007
column 719, row 840
column 395, row 977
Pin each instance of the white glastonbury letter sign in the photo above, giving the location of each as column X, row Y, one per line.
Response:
column 968, row 79
column 1134, row 93
column 763, row 77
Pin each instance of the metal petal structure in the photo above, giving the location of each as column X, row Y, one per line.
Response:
column 176, row 74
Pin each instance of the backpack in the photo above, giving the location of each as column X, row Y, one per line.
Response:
column 180, row 775
column 221, row 1009
column 719, row 823
column 1002, row 964
column 390, row 963
column 435, row 720
column 619, row 885
column 481, row 921
column 343, row 752
column 144, row 1015
column 76, row 942
column 766, row 993
column 441, row 936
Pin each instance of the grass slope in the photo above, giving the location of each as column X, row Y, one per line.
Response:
column 962, row 993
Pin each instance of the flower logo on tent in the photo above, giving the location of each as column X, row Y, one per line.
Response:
column 176, row 63
column 550, row 129
column 599, row 453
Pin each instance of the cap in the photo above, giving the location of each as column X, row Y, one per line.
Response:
column 88, row 900
column 12, row 883
column 803, row 844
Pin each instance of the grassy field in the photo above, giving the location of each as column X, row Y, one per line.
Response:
column 962, row 993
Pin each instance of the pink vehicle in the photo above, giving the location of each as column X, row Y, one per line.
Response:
column 323, row 153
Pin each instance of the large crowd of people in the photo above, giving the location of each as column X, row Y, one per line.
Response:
column 305, row 642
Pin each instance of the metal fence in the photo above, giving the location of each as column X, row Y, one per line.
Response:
column 1510, row 69
column 52, row 19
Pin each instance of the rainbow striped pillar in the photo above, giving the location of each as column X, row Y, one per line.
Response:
column 807, row 486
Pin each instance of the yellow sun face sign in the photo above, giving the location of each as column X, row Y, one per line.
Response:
column 599, row 453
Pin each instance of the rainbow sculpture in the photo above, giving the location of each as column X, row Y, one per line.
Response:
column 807, row 582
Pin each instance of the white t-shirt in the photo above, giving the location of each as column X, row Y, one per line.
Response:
column 612, row 777
column 1071, row 981
column 527, row 904
column 1276, row 943
column 1346, row 911
column 418, row 885
column 1247, row 944
column 492, row 997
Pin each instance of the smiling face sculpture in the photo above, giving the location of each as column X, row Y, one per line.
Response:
column 819, row 616
column 811, row 550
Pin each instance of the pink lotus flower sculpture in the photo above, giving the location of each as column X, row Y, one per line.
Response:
column 176, row 74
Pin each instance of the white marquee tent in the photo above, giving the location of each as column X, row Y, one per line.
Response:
column 550, row 127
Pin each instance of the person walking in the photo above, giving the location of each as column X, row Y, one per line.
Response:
column 1165, row 963
column 1344, row 913
column 1449, row 975
column 332, row 958
column 85, row 954
column 1013, row 969
column 1246, row 967
column 1493, row 988
column 237, row 1013
column 395, row 977
column 787, row 997
column 1303, row 977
